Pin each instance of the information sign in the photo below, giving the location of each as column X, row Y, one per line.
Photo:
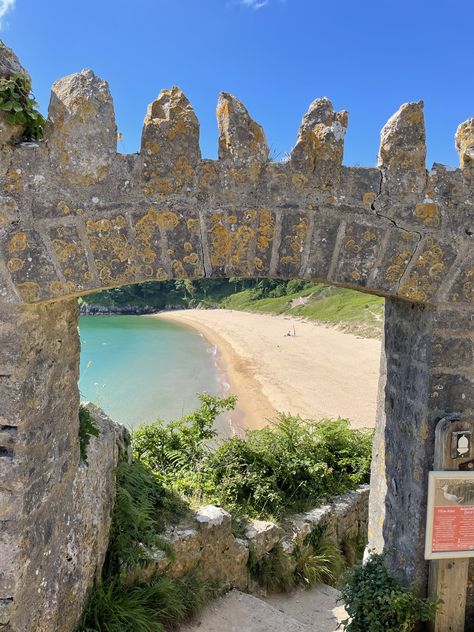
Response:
column 450, row 515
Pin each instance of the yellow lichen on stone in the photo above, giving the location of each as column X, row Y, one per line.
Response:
column 369, row 197
column 397, row 266
column 426, row 273
column 18, row 242
column 15, row 264
column 299, row 181
column 265, row 229
column 295, row 242
column 166, row 220
column 28, row 290
column 63, row 207
column 428, row 213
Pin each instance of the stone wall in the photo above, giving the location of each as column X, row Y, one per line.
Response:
column 55, row 511
column 205, row 541
column 76, row 217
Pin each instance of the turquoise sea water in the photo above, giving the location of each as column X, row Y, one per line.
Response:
column 139, row 368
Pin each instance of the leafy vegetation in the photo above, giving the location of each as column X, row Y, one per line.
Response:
column 274, row 571
column 355, row 311
column 20, row 107
column 288, row 466
column 375, row 600
column 87, row 429
column 124, row 601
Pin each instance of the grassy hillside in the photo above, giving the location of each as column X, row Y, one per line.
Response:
column 346, row 309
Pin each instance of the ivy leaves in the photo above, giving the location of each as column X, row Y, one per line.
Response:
column 20, row 107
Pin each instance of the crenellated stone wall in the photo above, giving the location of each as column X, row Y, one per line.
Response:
column 77, row 217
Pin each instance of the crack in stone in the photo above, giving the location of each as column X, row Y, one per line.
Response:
column 394, row 223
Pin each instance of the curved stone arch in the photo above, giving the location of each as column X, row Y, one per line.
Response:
column 77, row 217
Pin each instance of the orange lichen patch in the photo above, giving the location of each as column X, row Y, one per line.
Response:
column 352, row 246
column 246, row 174
column 193, row 226
column 299, row 181
column 151, row 146
column 258, row 264
column 56, row 287
column 70, row 254
column 192, row 258
column 356, row 275
column 114, row 255
column 166, row 219
column 265, row 229
column 330, row 199
column 427, row 272
column 208, row 175
column 369, row 235
column 29, row 291
column 294, row 243
column 179, row 127
column 161, row 275
column 230, row 241
column 63, row 207
column 15, row 264
column 18, row 242
column 397, row 266
column 178, row 269
column 14, row 181
column 428, row 213
column 183, row 172
column 369, row 197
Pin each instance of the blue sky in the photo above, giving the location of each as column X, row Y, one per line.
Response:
column 276, row 56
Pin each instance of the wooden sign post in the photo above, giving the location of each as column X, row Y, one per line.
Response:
column 448, row 532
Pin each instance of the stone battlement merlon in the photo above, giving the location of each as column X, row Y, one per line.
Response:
column 76, row 216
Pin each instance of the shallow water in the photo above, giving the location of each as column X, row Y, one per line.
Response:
column 138, row 368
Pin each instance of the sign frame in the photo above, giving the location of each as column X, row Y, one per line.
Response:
column 433, row 478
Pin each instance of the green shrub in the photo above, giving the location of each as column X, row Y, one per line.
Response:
column 19, row 106
column 288, row 466
column 375, row 600
column 87, row 429
column 181, row 444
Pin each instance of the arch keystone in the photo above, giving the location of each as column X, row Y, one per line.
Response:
column 319, row 148
column 464, row 139
column 171, row 129
column 402, row 152
column 241, row 139
column 82, row 134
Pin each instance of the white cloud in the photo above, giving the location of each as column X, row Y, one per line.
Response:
column 5, row 6
column 253, row 4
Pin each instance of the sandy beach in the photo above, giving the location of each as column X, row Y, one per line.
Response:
column 319, row 372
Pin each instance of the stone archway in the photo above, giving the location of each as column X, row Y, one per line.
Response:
column 76, row 217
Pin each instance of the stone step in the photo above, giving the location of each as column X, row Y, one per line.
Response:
column 315, row 610
column 239, row 612
column 319, row 608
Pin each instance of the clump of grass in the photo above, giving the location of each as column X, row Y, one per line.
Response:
column 319, row 560
column 156, row 606
column 274, row 571
column 87, row 429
